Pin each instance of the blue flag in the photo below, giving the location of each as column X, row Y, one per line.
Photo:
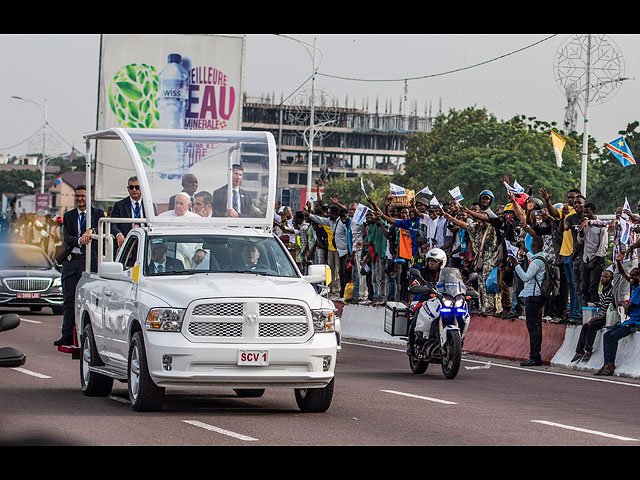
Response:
column 621, row 151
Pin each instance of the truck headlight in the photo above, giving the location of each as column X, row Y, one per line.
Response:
column 323, row 320
column 165, row 319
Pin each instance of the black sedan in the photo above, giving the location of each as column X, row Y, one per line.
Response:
column 28, row 278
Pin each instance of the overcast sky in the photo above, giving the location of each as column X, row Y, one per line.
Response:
column 63, row 69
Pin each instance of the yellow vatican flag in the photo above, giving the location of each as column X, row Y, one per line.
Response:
column 558, row 146
column 135, row 273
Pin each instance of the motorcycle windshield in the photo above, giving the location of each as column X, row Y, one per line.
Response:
column 450, row 282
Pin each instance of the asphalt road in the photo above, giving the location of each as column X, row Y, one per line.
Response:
column 377, row 402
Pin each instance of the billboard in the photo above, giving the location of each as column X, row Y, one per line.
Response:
column 187, row 81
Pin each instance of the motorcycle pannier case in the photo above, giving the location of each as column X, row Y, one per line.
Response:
column 396, row 319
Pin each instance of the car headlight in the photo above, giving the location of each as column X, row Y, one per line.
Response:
column 323, row 320
column 165, row 319
column 57, row 282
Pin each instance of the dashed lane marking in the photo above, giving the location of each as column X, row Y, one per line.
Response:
column 585, row 430
column 220, row 430
column 29, row 372
column 431, row 399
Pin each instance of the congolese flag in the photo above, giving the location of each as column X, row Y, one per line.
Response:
column 621, row 151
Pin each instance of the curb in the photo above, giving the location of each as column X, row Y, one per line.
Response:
column 501, row 338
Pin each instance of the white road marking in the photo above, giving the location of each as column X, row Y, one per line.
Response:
column 532, row 370
column 119, row 399
column 220, row 430
column 437, row 400
column 578, row 429
column 28, row 320
column 29, row 372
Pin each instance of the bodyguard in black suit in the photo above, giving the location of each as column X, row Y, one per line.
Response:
column 76, row 235
column 129, row 207
column 241, row 205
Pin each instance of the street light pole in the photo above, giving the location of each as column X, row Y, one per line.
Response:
column 311, row 122
column 43, row 161
column 585, row 134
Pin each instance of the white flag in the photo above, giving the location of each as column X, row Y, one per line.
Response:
column 512, row 249
column 434, row 201
column 517, row 188
column 396, row 190
column 29, row 182
column 456, row 194
column 362, row 187
column 426, row 191
column 626, row 206
column 360, row 214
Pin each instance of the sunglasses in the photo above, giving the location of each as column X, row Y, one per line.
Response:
column 133, row 187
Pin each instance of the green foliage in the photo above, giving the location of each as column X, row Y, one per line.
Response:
column 609, row 182
column 11, row 181
column 472, row 149
column 349, row 189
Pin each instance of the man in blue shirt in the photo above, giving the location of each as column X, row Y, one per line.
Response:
column 620, row 330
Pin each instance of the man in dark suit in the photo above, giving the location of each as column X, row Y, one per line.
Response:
column 240, row 199
column 189, row 186
column 129, row 207
column 76, row 236
column 160, row 263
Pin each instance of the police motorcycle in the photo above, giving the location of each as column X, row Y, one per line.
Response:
column 9, row 356
column 442, row 317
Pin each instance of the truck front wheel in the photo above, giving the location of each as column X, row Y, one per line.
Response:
column 315, row 400
column 144, row 395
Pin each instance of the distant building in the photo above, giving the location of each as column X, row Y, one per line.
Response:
column 349, row 142
column 60, row 190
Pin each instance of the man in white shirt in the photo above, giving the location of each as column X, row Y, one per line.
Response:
column 181, row 207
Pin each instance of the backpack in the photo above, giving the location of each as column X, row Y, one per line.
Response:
column 551, row 282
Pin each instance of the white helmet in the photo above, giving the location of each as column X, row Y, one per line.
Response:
column 438, row 255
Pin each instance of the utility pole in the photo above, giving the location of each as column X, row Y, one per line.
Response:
column 311, row 126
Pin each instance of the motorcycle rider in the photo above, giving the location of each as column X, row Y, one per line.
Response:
column 435, row 261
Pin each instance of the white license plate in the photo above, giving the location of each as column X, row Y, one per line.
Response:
column 253, row 357
column 28, row 295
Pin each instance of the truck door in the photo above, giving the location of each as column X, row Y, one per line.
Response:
column 120, row 296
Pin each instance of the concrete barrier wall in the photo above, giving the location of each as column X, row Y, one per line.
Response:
column 500, row 338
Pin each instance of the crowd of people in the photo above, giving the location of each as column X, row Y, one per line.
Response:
column 535, row 257
column 44, row 231
column 530, row 257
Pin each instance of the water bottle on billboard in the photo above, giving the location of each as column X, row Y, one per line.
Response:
column 173, row 99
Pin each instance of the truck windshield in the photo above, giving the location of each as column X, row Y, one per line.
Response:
column 190, row 254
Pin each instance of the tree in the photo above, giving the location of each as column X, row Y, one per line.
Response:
column 609, row 182
column 11, row 181
column 473, row 149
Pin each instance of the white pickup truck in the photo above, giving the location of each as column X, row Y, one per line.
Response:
column 231, row 309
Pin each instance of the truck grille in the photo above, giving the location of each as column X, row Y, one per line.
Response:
column 215, row 329
column 27, row 284
column 248, row 321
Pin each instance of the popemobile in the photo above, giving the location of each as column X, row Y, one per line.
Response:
column 192, row 301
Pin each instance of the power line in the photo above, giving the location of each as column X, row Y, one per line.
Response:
column 421, row 77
